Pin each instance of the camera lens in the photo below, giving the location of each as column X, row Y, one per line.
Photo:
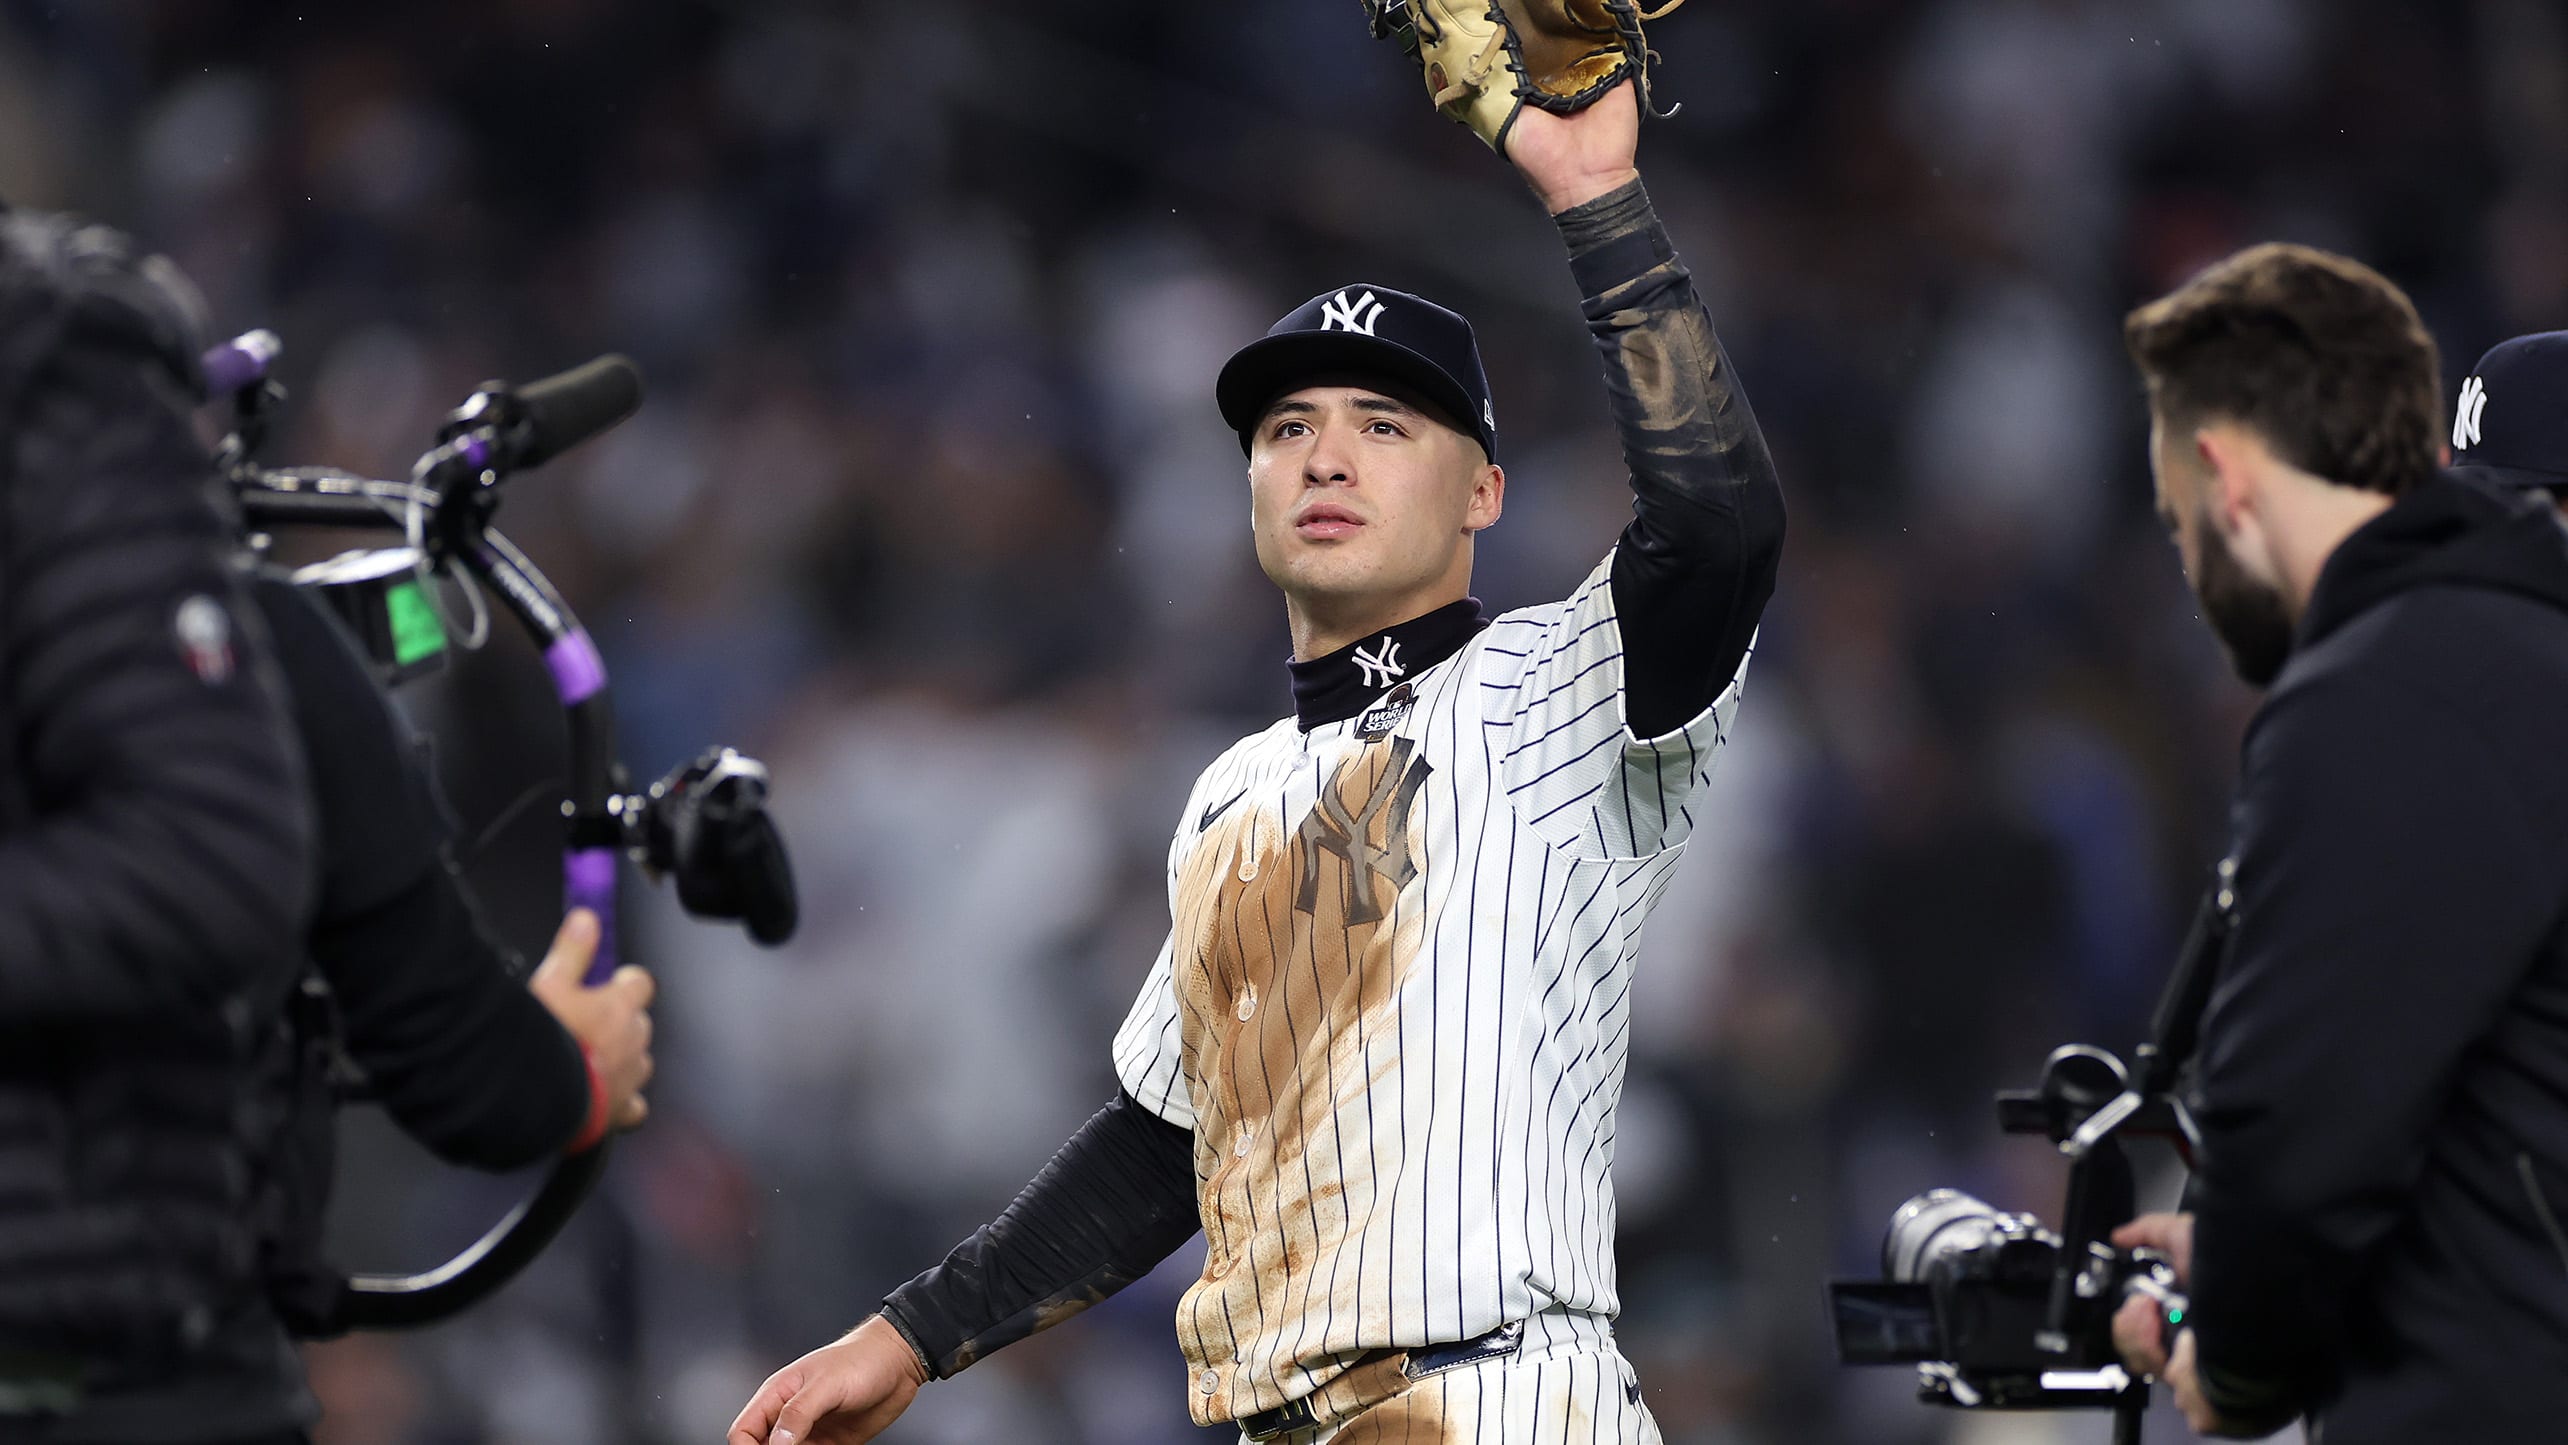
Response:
column 1934, row 1226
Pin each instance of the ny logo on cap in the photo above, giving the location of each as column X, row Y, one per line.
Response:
column 1359, row 316
column 2465, row 423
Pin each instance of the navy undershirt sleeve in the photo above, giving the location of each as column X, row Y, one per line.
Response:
column 1698, row 562
column 1117, row 1199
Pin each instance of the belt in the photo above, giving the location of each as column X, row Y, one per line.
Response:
column 1411, row 1365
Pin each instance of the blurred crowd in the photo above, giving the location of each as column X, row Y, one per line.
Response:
column 930, row 508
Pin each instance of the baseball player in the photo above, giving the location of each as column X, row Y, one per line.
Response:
column 2508, row 429
column 1378, row 1060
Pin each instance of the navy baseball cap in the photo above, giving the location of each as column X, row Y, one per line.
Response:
column 2511, row 426
column 1357, row 332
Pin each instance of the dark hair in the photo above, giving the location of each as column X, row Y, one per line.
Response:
column 2319, row 355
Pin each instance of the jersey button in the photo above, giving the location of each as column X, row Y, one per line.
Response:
column 1247, row 1003
column 1209, row 1381
column 1239, row 1146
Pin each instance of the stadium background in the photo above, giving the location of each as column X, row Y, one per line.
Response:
column 929, row 506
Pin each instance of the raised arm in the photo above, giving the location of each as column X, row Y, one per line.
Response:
column 1698, row 561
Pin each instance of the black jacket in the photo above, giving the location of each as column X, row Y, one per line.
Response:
column 153, row 845
column 2383, row 1088
column 415, row 993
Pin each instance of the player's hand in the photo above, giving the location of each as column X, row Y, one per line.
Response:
column 1570, row 160
column 612, row 1020
column 841, row 1394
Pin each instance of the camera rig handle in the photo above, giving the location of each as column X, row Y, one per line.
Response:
column 2088, row 1102
column 2084, row 1101
column 446, row 506
column 2086, row 1105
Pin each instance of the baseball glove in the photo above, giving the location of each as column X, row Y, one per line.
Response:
column 1486, row 60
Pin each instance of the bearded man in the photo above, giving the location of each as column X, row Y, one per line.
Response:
column 2373, row 1240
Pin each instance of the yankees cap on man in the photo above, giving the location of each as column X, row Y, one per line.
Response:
column 2511, row 426
column 1361, row 331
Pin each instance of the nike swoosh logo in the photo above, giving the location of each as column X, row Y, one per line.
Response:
column 1217, row 810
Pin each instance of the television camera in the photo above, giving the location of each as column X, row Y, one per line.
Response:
column 1997, row 1310
column 704, row 826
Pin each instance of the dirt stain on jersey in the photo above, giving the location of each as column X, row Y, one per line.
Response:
column 1291, row 949
column 1416, row 1416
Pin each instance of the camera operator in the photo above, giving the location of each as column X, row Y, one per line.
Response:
column 485, row 1072
column 154, row 857
column 2382, row 1083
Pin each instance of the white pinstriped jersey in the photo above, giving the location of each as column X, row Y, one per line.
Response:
column 1394, row 1003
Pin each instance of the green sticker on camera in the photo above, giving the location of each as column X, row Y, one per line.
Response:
column 417, row 631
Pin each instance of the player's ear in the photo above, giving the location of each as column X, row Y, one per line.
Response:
column 1488, row 498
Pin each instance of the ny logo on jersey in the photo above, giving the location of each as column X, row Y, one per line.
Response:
column 1332, row 828
column 2465, row 422
column 1359, row 315
column 1382, row 666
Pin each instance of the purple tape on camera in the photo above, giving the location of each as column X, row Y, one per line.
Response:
column 588, row 881
column 240, row 363
column 578, row 672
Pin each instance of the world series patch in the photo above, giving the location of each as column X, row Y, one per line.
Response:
column 1384, row 717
